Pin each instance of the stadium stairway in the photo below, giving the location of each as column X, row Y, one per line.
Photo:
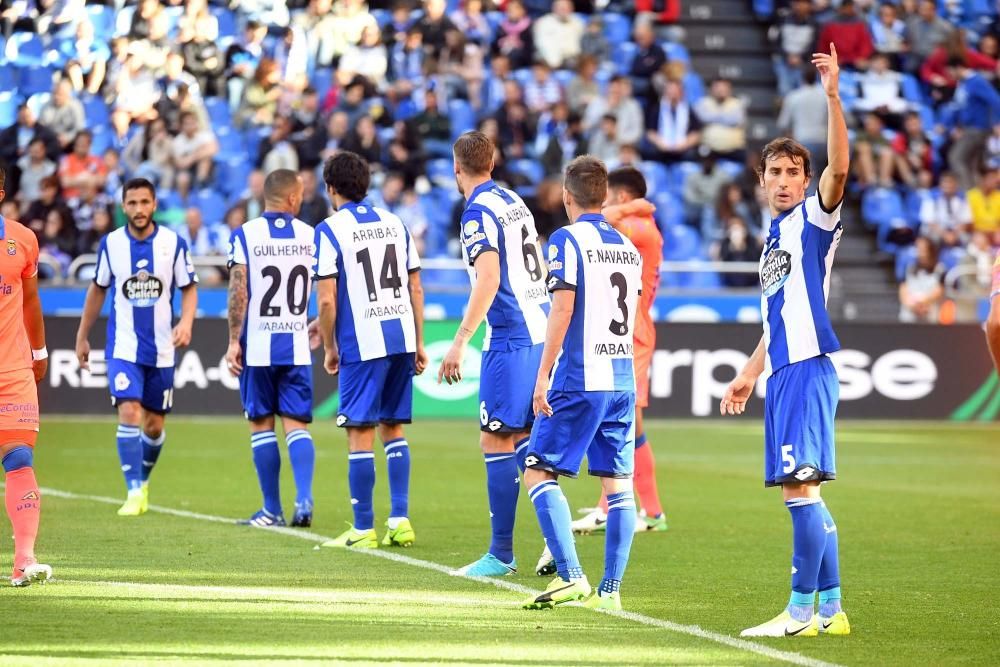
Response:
column 725, row 38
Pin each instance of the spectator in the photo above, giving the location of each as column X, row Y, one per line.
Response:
column 396, row 31
column 872, row 153
column 406, row 61
column 583, row 88
column 738, row 245
column 252, row 199
column 87, row 59
column 149, row 154
column 937, row 74
column 58, row 238
column 850, row 35
column 201, row 239
column 308, row 132
column 315, row 208
column 889, row 34
column 149, row 20
column 992, row 157
column 243, row 61
column 197, row 20
column 460, row 67
column 396, row 198
column 136, row 92
column 432, row 127
column 977, row 264
column 277, row 151
column 922, row 291
column 34, row 167
column 318, row 22
column 15, row 139
column 48, row 199
column 912, row 150
column 619, row 101
column 557, row 35
column 86, row 204
column 796, row 35
column 603, row 143
column 673, row 128
column 270, row 12
column 984, row 203
column 336, row 130
column 723, row 117
column 177, row 88
column 469, row 20
column 352, row 17
column 541, row 91
column 925, row 31
column 205, row 62
column 352, row 102
column 701, row 189
column 193, row 151
column 989, row 45
column 434, row 26
column 291, row 55
column 804, row 117
column 89, row 242
column 368, row 58
column 363, row 140
column 260, row 98
column 79, row 168
column 513, row 124
column 515, row 36
column 978, row 110
column 565, row 140
column 649, row 58
column 115, row 171
column 547, row 207
column 234, row 219
column 730, row 204
column 946, row 213
column 594, row 43
column 881, row 92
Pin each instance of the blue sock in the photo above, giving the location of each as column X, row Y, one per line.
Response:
column 361, row 481
column 302, row 456
column 829, row 569
column 130, row 455
column 503, row 486
column 808, row 541
column 151, row 448
column 397, row 463
column 521, row 452
column 617, row 539
column 555, row 519
column 267, row 461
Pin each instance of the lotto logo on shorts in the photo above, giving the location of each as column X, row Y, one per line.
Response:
column 341, row 420
column 495, row 425
column 805, row 473
column 531, row 460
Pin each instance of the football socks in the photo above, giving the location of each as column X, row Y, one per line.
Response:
column 397, row 463
column 502, row 486
column 130, row 455
column 361, row 481
column 267, row 461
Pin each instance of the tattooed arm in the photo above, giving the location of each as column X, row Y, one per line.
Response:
column 237, row 313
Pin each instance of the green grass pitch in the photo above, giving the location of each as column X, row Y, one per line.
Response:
column 917, row 505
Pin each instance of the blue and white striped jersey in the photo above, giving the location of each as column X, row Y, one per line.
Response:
column 795, row 276
column 370, row 253
column 605, row 270
column 143, row 275
column 277, row 250
column 496, row 220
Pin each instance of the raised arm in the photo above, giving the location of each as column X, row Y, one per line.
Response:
column 834, row 178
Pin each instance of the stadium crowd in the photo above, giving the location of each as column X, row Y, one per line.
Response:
column 205, row 98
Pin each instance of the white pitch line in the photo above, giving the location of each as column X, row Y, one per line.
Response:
column 690, row 630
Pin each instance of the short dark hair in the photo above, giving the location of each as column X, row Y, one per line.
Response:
column 629, row 179
column 785, row 147
column 348, row 175
column 957, row 61
column 474, row 152
column 138, row 184
column 279, row 182
column 586, row 181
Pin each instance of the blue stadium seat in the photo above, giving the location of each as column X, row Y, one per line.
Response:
column 763, row 9
column 904, row 258
column 679, row 173
column 441, row 172
column 123, row 20
column 669, row 209
column 212, row 205
column 103, row 19
column 103, row 139
column 8, row 75
column 849, row 86
column 231, row 176
column 530, row 169
column 681, row 243
column 226, row 20
column 37, row 101
column 522, row 76
column 25, row 49
column 676, row 52
column 950, row 257
column 881, row 206
column 36, row 80
column 911, row 89
column 657, row 176
column 322, row 81
column 617, row 27
column 252, row 137
column 694, row 87
column 173, row 15
column 462, row 117
column 231, row 144
column 382, row 17
column 623, row 53
column 8, row 107
column 732, row 169
column 218, row 112
column 563, row 77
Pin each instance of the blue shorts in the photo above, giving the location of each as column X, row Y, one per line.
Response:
column 799, row 408
column 277, row 390
column 506, row 385
column 152, row 386
column 379, row 391
column 600, row 424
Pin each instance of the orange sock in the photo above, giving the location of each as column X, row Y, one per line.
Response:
column 24, row 504
column 645, row 480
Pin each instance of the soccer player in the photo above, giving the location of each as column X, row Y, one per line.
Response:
column 144, row 263
column 23, row 360
column 371, row 313
column 270, row 259
column 588, row 406
column 802, row 387
column 500, row 244
column 627, row 210
column 993, row 321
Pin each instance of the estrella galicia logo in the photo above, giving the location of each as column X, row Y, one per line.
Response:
column 142, row 289
column 775, row 272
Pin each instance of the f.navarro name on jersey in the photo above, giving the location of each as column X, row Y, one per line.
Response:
column 613, row 256
column 282, row 250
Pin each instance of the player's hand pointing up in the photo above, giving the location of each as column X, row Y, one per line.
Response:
column 829, row 70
